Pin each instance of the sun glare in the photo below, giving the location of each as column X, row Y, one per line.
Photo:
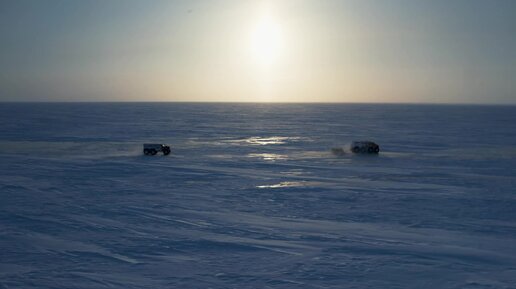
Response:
column 266, row 42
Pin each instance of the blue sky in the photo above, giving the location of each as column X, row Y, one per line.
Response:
column 459, row 51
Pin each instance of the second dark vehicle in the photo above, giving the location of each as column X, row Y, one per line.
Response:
column 364, row 147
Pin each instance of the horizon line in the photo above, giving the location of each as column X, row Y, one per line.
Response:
column 262, row 102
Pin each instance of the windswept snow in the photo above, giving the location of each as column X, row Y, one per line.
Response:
column 253, row 197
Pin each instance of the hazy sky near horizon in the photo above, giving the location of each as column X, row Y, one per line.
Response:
column 444, row 51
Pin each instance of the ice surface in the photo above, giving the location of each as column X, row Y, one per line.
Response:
column 253, row 197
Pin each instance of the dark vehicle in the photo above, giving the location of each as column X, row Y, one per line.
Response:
column 152, row 149
column 364, row 147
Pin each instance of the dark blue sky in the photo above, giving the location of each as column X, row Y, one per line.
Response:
column 461, row 51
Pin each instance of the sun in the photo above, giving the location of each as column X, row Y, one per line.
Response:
column 267, row 42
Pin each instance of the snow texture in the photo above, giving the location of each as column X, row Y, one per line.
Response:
column 253, row 197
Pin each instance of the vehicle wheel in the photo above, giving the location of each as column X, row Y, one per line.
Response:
column 146, row 152
column 153, row 152
column 377, row 149
column 355, row 150
column 166, row 152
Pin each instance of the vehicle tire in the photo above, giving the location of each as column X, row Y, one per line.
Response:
column 146, row 152
column 166, row 152
column 377, row 149
column 153, row 152
column 355, row 150
column 370, row 150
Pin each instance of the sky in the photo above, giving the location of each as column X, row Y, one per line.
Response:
column 387, row 51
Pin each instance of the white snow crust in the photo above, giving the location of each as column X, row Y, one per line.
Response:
column 252, row 196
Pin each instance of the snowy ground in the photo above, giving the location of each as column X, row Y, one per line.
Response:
column 252, row 197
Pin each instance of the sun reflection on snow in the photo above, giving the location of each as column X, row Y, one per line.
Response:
column 266, row 140
column 269, row 157
column 273, row 140
column 288, row 185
